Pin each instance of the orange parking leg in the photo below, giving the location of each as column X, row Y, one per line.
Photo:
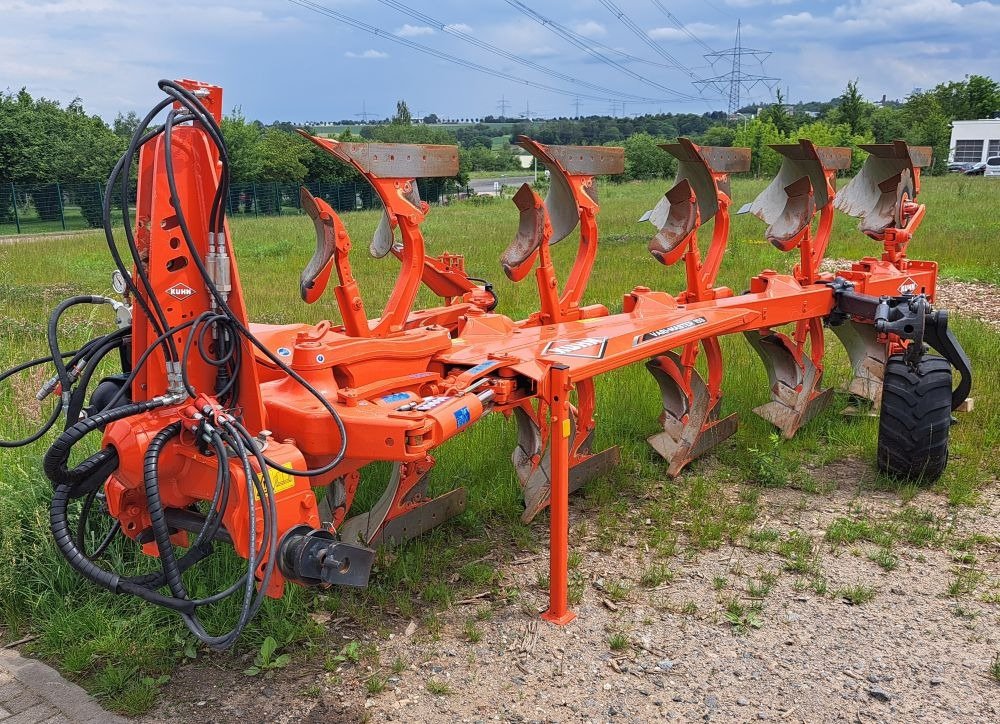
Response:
column 559, row 432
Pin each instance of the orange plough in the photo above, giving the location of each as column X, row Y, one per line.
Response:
column 222, row 432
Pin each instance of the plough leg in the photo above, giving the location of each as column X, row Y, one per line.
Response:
column 867, row 356
column 559, row 473
column 404, row 510
column 691, row 424
column 795, row 378
column 532, row 456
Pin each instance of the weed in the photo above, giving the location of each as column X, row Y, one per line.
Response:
column 799, row 552
column 766, row 464
column 656, row 575
column 995, row 667
column 266, row 661
column 617, row 591
column 472, row 632
column 719, row 582
column 574, row 560
column 618, row 641
column 484, row 613
column 577, row 585
column 763, row 540
column 857, row 594
column 375, row 684
column 966, row 580
column 478, row 574
column 742, row 618
column 762, row 586
column 438, row 688
column 398, row 665
column 846, row 531
column 689, row 608
column 885, row 558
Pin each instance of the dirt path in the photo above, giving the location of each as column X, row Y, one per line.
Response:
column 778, row 627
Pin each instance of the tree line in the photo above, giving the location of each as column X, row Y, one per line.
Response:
column 42, row 142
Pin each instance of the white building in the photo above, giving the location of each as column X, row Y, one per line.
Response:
column 974, row 141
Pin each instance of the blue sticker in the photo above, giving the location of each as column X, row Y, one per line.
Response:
column 284, row 351
column 481, row 367
column 462, row 417
column 320, row 359
column 396, row 397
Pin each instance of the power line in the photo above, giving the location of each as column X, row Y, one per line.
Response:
column 360, row 25
column 681, row 26
column 588, row 47
column 644, row 37
column 736, row 79
column 364, row 113
column 457, row 32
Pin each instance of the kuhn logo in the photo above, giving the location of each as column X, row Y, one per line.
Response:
column 589, row 347
column 180, row 291
column 908, row 287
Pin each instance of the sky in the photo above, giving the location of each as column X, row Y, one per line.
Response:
column 284, row 60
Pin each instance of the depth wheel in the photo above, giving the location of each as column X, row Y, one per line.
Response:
column 915, row 420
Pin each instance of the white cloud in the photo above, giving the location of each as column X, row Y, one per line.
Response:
column 701, row 30
column 414, row 31
column 458, row 27
column 370, row 54
column 590, row 29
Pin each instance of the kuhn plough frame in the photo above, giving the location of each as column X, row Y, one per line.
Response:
column 220, row 430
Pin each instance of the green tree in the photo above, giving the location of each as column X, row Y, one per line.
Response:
column 718, row 136
column 242, row 138
column 645, row 159
column 777, row 113
column 757, row 135
column 402, row 117
column 928, row 125
column 853, row 109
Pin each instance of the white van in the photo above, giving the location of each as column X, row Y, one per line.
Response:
column 992, row 166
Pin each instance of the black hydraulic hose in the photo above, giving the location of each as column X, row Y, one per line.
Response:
column 81, row 528
column 222, row 304
column 78, row 561
column 53, row 335
column 95, row 469
column 157, row 517
column 78, row 397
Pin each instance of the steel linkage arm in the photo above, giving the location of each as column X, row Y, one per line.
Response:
column 908, row 318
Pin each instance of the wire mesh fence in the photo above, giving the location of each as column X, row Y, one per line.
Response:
column 55, row 207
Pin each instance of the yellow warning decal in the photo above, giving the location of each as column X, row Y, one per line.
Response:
column 566, row 427
column 280, row 481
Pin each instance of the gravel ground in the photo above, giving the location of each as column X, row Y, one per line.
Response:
column 913, row 652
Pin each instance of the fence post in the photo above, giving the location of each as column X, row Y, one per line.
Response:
column 254, row 192
column 62, row 214
column 277, row 197
column 13, row 198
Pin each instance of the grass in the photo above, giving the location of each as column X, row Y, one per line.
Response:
column 112, row 645
column 857, row 594
column 618, row 641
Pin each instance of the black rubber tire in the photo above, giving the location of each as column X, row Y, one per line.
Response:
column 916, row 418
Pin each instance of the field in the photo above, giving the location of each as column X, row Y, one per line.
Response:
column 124, row 652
